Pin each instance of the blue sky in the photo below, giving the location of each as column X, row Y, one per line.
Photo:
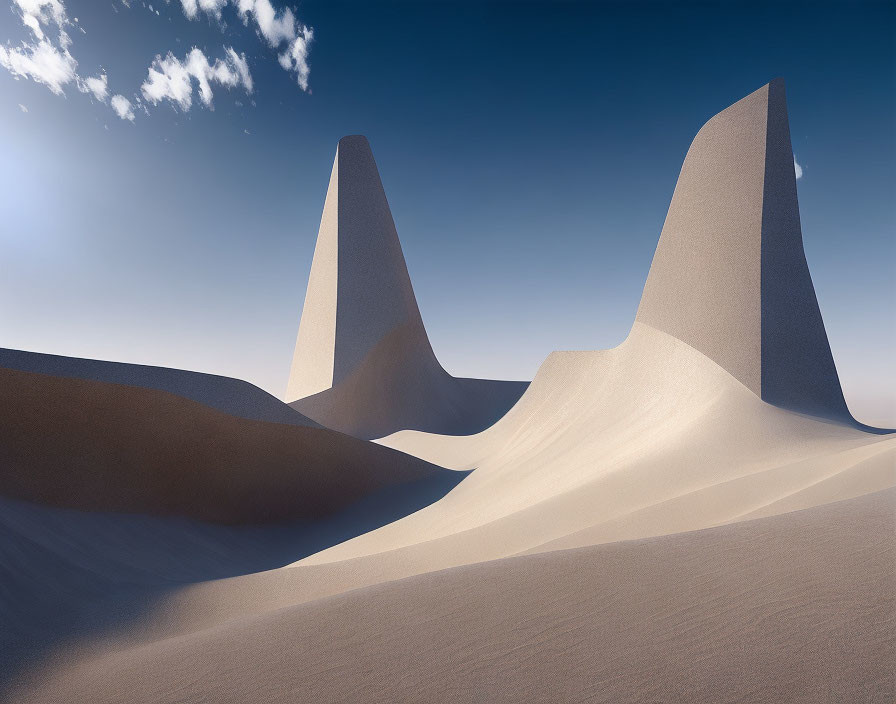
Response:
column 529, row 152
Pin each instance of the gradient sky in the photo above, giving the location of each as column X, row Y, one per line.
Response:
column 529, row 152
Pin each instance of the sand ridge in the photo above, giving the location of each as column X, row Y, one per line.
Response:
column 690, row 516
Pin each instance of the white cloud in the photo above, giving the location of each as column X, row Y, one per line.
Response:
column 23, row 108
column 171, row 79
column 122, row 107
column 41, row 62
column 295, row 58
column 37, row 12
column 797, row 168
column 212, row 7
column 47, row 60
column 276, row 28
column 98, row 86
column 46, row 57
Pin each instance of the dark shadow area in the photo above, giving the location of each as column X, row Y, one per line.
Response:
column 67, row 575
column 234, row 396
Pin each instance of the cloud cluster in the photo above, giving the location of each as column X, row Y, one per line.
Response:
column 47, row 59
column 276, row 28
column 122, row 107
column 171, row 79
column 97, row 86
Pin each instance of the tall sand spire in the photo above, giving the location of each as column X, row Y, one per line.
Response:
column 363, row 362
column 729, row 276
column 359, row 290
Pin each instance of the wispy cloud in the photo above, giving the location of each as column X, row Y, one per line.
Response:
column 212, row 7
column 278, row 29
column 46, row 59
column 122, row 107
column 797, row 168
column 98, row 86
column 23, row 108
column 171, row 79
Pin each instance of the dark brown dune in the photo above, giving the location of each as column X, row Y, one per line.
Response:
column 799, row 607
column 98, row 446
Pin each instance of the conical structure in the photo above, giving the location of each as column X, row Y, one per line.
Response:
column 363, row 362
column 729, row 276
column 359, row 290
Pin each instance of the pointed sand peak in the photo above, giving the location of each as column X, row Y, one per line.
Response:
column 729, row 276
column 359, row 290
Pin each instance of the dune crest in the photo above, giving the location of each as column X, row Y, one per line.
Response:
column 99, row 446
column 690, row 516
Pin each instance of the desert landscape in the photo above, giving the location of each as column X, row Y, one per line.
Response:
column 692, row 516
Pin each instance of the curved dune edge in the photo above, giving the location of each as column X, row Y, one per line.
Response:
column 108, row 447
column 646, row 439
column 796, row 607
column 370, row 403
column 778, row 463
column 232, row 396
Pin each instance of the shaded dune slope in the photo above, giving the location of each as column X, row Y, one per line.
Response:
column 233, row 396
column 71, row 577
column 798, row 607
column 691, row 516
column 99, row 446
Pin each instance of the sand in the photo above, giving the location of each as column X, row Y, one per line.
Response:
column 692, row 516
column 98, row 446
column 363, row 363
column 233, row 396
column 798, row 607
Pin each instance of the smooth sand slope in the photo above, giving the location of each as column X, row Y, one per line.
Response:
column 794, row 608
column 234, row 396
column 363, row 363
column 672, row 430
column 100, row 446
column 692, row 516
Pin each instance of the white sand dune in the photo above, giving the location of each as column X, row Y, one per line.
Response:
column 692, row 516
column 797, row 607
column 675, row 429
column 647, row 439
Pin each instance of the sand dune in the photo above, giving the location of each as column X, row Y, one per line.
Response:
column 363, row 363
column 792, row 608
column 692, row 516
column 99, row 446
column 234, row 396
column 690, row 422
column 647, row 439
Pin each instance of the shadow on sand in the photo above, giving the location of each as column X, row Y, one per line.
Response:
column 67, row 575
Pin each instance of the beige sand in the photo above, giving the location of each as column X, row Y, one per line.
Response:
column 795, row 608
column 363, row 362
column 99, row 446
column 654, row 522
column 647, row 439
